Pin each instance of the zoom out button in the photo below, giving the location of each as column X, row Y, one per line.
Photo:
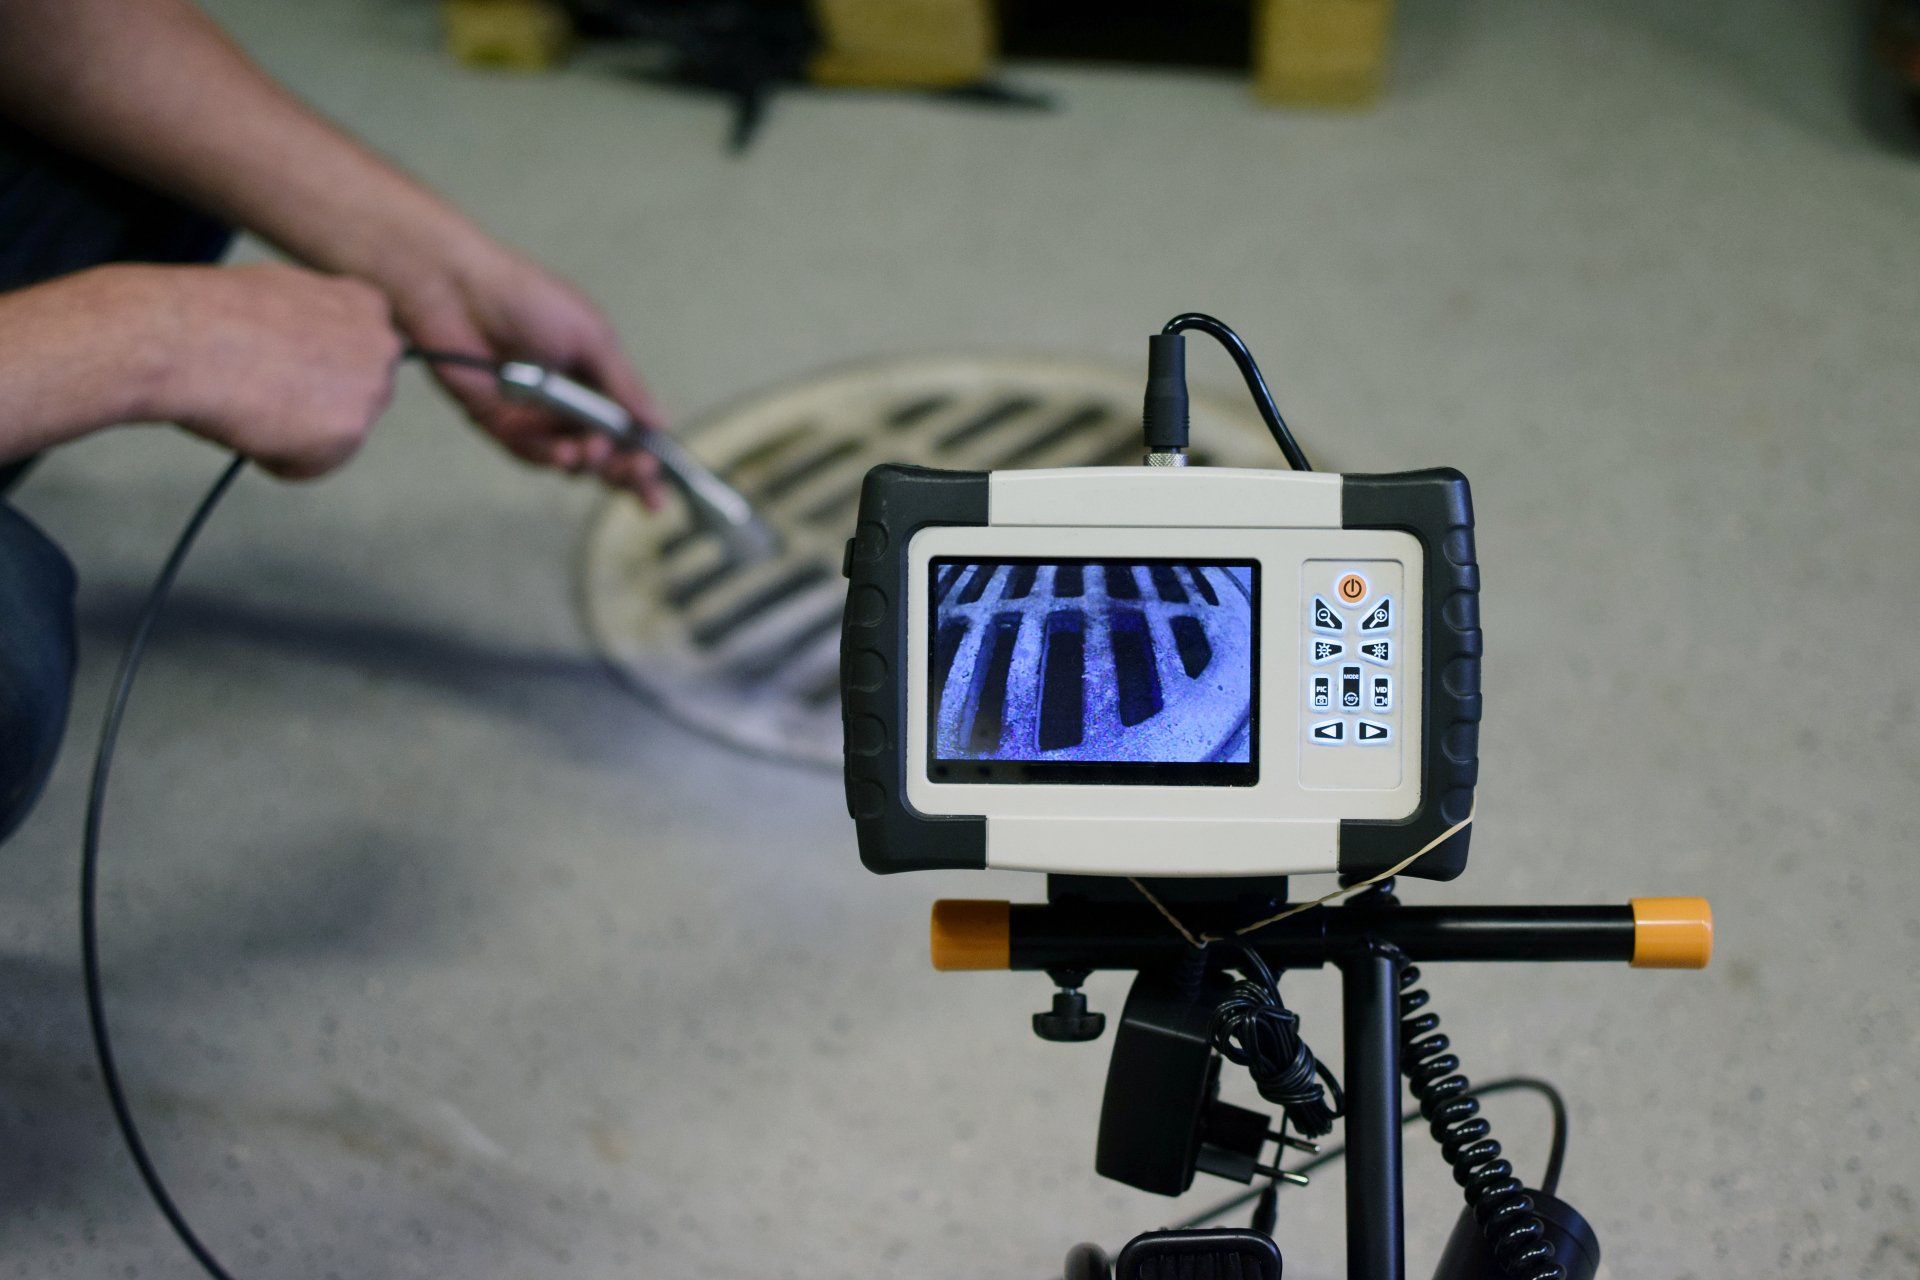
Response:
column 1325, row 618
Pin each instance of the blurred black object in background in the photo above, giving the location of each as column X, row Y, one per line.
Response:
column 745, row 50
column 1890, row 88
column 741, row 49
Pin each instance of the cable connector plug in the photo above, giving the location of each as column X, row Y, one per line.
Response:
column 1163, row 417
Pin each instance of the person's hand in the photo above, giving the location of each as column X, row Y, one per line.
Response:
column 287, row 366
column 487, row 301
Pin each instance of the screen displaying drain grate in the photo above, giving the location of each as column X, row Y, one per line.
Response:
column 750, row 653
column 1082, row 662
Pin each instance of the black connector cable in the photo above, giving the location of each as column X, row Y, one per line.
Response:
column 90, row 871
column 1253, row 1028
column 1164, row 417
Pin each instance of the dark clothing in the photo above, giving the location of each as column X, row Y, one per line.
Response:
column 36, row 661
column 59, row 215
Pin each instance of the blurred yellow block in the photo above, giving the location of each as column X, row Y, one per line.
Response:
column 1329, row 53
column 519, row 35
column 888, row 44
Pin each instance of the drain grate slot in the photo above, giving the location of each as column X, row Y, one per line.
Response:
column 784, row 483
column 1166, row 583
column 685, row 593
column 1201, row 585
column 770, row 597
column 675, row 543
column 1020, row 581
column 1134, row 668
column 1069, row 582
column 1076, row 423
column 1121, row 584
column 759, row 456
column 990, row 673
column 943, row 583
column 997, row 415
column 1063, row 689
column 981, row 577
column 946, row 647
column 1190, row 638
column 824, row 692
column 914, row 412
column 832, row 509
column 791, row 647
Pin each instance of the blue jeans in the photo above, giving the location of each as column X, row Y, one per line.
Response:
column 59, row 215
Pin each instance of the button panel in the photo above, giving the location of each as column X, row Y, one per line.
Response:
column 1351, row 634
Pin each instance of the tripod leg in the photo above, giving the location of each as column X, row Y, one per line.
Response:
column 1376, row 1227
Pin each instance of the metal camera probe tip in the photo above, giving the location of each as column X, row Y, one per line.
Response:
column 716, row 505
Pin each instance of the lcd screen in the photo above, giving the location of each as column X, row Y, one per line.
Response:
column 1139, row 671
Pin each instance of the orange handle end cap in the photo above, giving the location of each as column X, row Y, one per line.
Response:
column 1672, row 933
column 970, row 933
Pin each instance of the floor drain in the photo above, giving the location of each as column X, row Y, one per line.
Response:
column 750, row 655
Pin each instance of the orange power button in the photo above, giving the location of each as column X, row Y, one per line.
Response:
column 1352, row 589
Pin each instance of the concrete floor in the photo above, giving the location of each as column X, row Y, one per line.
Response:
column 432, row 953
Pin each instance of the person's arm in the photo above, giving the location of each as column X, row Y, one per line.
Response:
column 155, row 90
column 287, row 366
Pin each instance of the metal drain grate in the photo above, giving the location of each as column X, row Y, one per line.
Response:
column 750, row 654
column 1014, row 644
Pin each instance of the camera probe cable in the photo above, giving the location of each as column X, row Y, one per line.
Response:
column 90, row 868
column 110, row 724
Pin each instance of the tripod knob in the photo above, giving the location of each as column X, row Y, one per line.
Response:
column 1069, row 1021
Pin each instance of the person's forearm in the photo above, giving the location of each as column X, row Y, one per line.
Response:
column 155, row 90
column 78, row 354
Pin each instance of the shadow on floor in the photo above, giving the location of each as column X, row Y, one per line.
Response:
column 573, row 699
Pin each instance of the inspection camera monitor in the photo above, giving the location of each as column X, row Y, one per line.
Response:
column 1162, row 670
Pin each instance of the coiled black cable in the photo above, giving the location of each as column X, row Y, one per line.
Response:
column 1253, row 1028
column 1500, row 1201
